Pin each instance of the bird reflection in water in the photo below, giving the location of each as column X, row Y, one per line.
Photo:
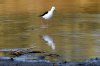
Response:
column 49, row 41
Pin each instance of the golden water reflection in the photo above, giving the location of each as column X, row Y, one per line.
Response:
column 75, row 27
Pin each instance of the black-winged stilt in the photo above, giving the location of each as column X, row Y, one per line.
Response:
column 48, row 14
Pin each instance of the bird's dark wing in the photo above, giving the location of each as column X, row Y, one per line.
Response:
column 44, row 13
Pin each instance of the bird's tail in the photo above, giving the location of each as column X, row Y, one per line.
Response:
column 39, row 15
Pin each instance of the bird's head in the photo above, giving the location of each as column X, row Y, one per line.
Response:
column 53, row 8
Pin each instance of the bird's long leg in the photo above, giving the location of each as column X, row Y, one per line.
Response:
column 41, row 22
column 43, row 25
column 47, row 24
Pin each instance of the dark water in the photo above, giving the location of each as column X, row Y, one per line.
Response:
column 75, row 30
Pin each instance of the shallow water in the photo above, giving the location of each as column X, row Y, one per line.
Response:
column 76, row 34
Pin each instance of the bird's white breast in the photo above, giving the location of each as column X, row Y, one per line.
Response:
column 48, row 15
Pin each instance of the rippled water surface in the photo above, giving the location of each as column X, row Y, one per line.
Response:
column 76, row 34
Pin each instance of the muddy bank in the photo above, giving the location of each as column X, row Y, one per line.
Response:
column 28, row 57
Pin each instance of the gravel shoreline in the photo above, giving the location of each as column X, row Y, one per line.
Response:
column 90, row 62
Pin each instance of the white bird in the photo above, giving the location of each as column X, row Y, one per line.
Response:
column 49, row 41
column 48, row 14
